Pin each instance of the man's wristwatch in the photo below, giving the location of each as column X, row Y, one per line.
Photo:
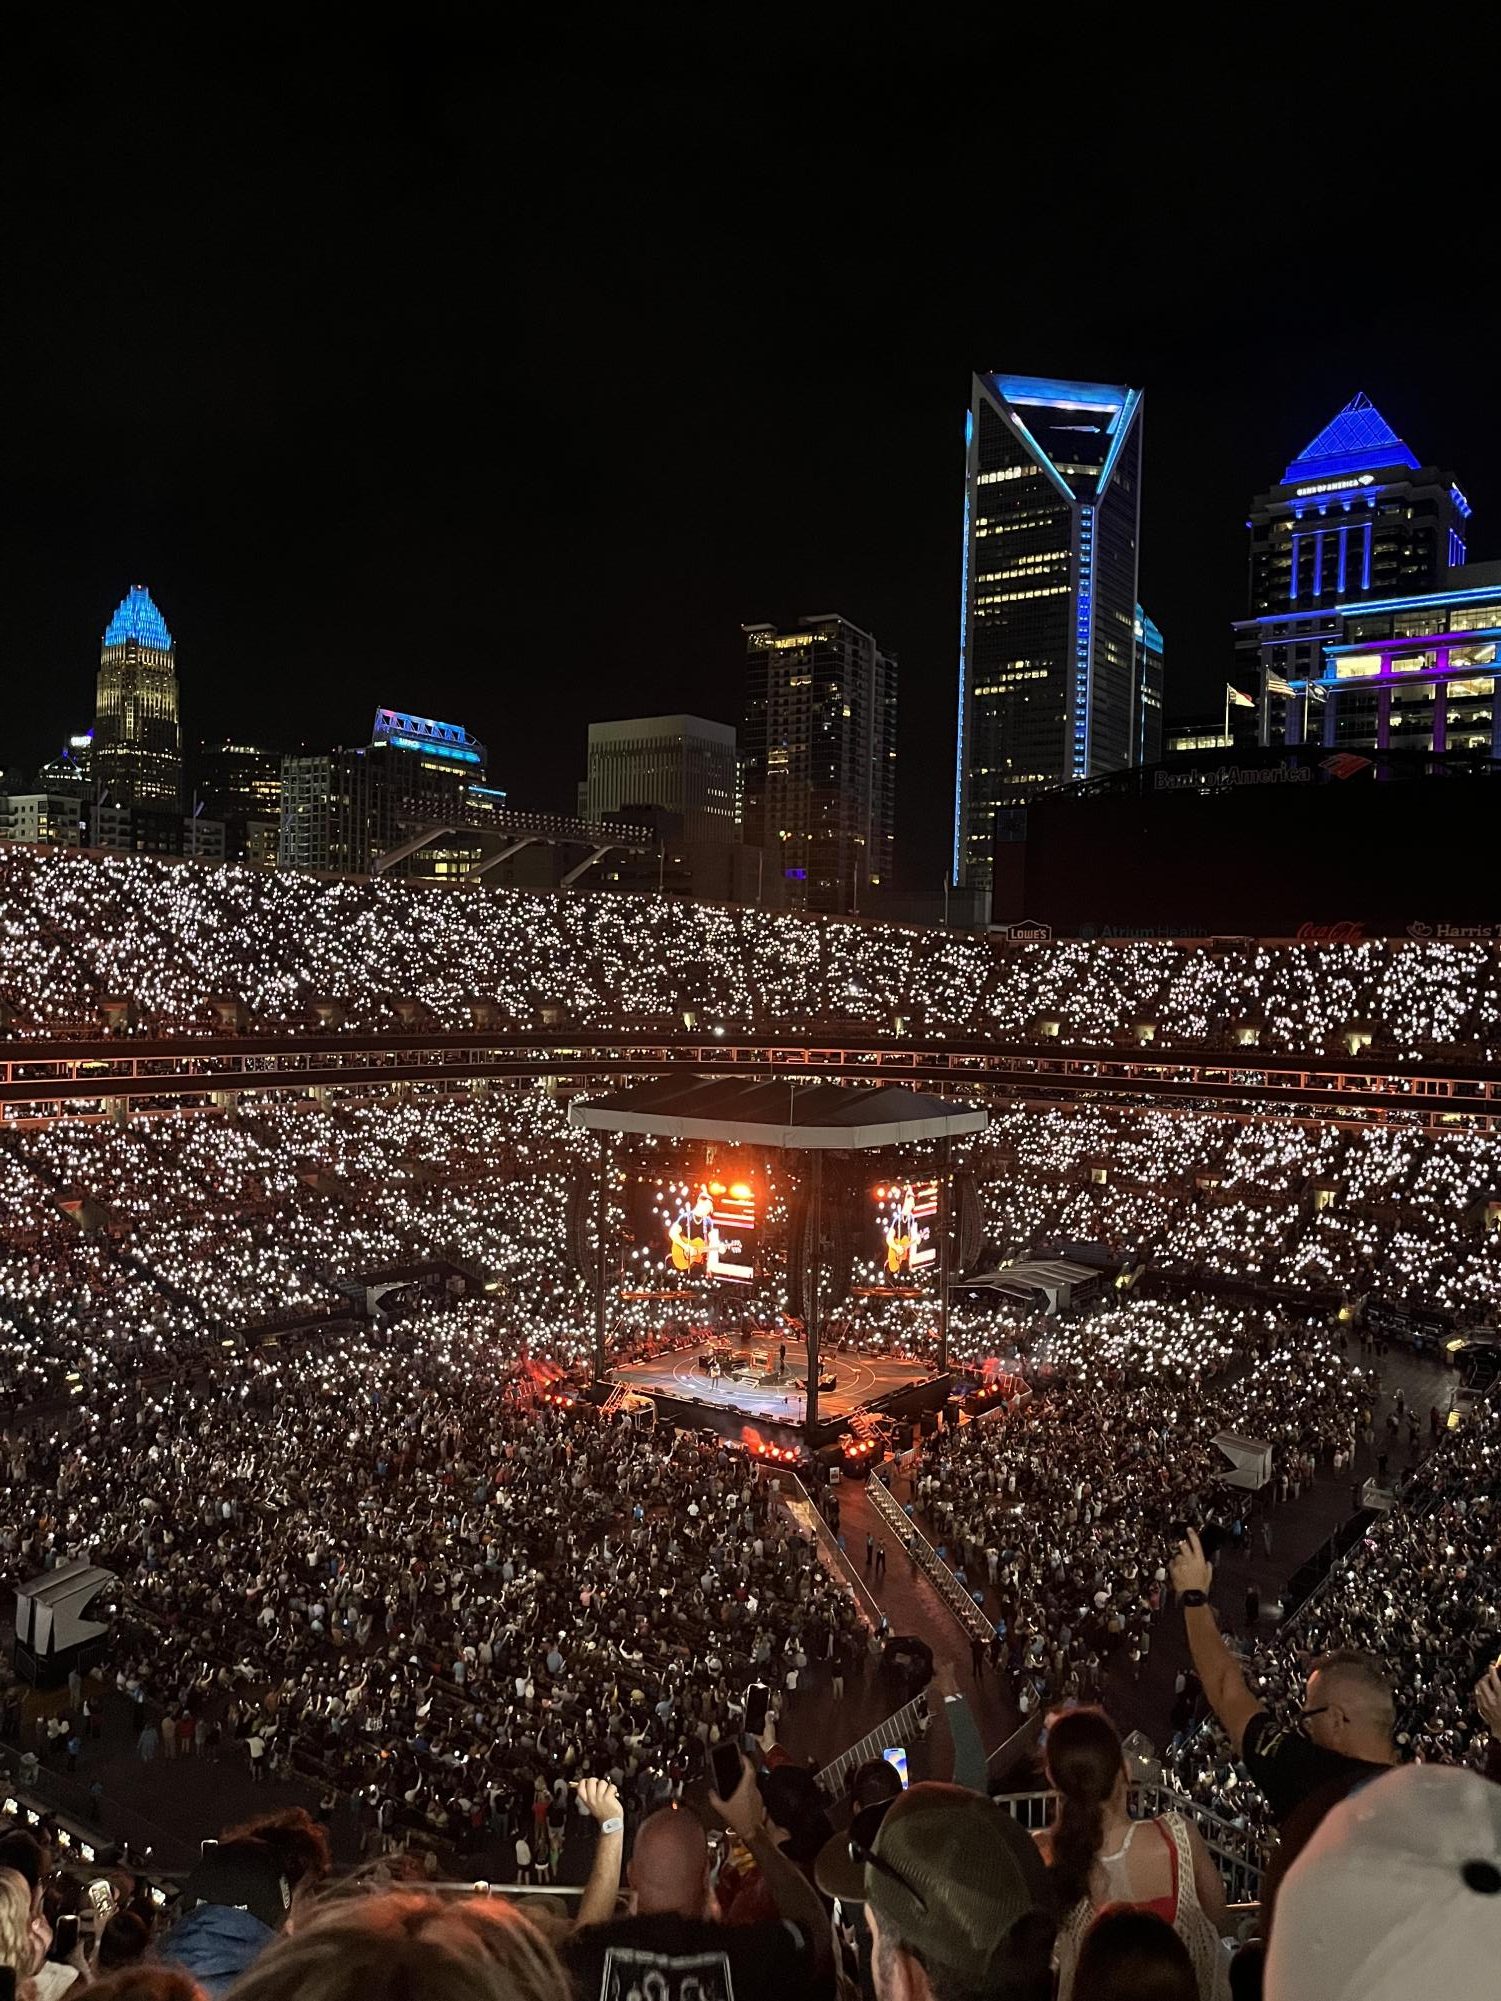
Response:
column 1190, row 1598
column 614, row 1825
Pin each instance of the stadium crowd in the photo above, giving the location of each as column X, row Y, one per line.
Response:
column 384, row 1567
column 1057, row 1510
column 129, row 1248
column 357, row 1543
column 1420, row 1591
column 187, row 945
column 1327, row 1210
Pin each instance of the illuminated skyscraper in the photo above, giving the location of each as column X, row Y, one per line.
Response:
column 819, row 742
column 344, row 809
column 1048, row 682
column 1150, row 676
column 1354, row 517
column 137, row 752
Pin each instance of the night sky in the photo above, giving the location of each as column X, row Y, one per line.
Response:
column 501, row 382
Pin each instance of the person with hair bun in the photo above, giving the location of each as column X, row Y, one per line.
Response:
column 408, row 1946
column 1098, row 1856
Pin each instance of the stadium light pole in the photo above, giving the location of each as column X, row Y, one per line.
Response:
column 812, row 1288
column 944, row 1178
column 600, row 1210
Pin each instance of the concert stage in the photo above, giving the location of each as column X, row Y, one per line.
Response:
column 709, row 1226
column 685, row 1395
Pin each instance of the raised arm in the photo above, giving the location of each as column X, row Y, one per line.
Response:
column 597, row 1905
column 970, row 1768
column 1225, row 1687
column 1208, row 1883
column 794, row 1896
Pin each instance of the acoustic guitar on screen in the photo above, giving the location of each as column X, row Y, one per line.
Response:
column 899, row 1230
column 688, row 1233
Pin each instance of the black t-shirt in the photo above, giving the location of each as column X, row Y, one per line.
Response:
column 672, row 1958
column 1288, row 1766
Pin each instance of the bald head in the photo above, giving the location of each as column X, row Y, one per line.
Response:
column 670, row 1865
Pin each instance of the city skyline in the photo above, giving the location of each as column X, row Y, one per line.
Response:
column 357, row 461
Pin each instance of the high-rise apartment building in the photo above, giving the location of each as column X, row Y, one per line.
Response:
column 1150, row 681
column 427, row 760
column 1049, row 688
column 683, row 764
column 1354, row 517
column 341, row 810
column 336, row 812
column 137, row 751
column 819, row 750
column 239, row 785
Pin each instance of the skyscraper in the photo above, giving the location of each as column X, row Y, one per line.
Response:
column 684, row 764
column 239, row 785
column 337, row 812
column 137, row 754
column 1048, row 683
column 344, row 809
column 1150, row 680
column 819, row 744
column 1353, row 517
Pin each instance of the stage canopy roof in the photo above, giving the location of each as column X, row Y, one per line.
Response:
column 50, row 1609
column 753, row 1111
column 1058, row 1278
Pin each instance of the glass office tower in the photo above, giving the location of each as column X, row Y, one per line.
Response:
column 1049, row 686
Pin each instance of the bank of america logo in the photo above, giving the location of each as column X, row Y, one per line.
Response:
column 1344, row 764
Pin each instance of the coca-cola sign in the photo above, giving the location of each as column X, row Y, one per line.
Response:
column 1346, row 931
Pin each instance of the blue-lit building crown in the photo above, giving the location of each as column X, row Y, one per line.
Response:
column 449, row 742
column 136, row 617
column 1358, row 439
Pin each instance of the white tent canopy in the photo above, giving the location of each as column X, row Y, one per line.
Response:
column 50, row 1609
column 1057, row 1279
column 1250, row 1460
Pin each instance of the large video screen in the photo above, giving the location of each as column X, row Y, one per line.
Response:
column 907, row 1216
column 710, row 1228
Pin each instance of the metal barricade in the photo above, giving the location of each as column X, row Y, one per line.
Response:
column 938, row 1573
column 799, row 1505
column 897, row 1729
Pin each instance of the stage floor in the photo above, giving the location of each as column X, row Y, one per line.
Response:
column 859, row 1380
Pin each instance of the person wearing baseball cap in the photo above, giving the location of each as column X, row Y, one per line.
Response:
column 1397, row 1893
column 957, row 1901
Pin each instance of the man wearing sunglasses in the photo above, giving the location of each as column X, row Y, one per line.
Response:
column 1345, row 1726
column 956, row 1898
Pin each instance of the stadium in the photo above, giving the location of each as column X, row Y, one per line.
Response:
column 330, row 1332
